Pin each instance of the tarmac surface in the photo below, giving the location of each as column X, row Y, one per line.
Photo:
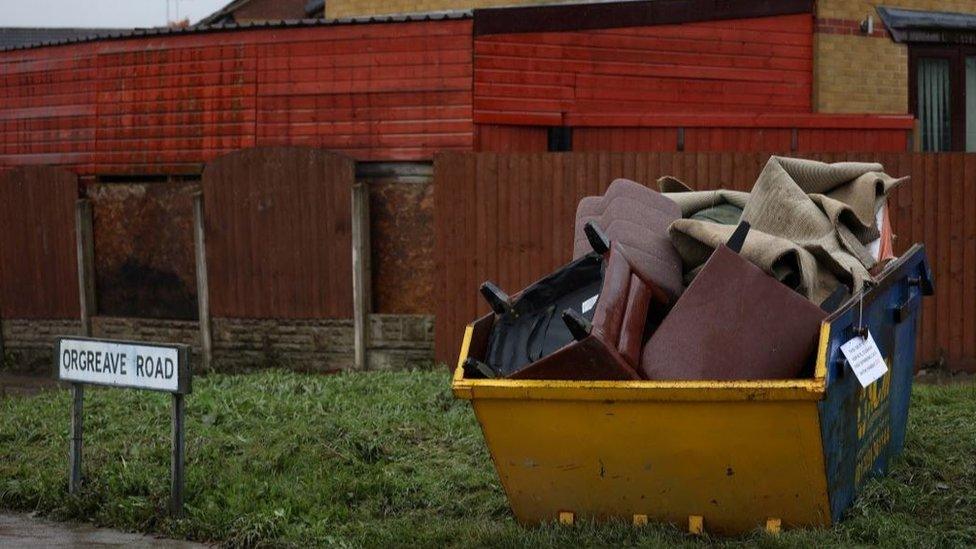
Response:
column 24, row 531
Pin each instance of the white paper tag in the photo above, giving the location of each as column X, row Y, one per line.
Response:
column 865, row 359
column 589, row 303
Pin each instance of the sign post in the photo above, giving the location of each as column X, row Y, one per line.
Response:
column 74, row 456
column 127, row 364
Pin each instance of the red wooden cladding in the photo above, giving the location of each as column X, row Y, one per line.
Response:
column 402, row 91
column 498, row 138
column 278, row 233
column 743, row 138
column 168, row 104
column 38, row 254
column 509, row 218
column 761, row 64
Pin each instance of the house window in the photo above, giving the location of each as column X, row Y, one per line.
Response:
column 943, row 96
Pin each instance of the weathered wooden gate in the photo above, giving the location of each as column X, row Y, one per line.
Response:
column 278, row 233
column 38, row 258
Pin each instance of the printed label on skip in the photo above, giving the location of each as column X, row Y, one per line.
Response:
column 865, row 359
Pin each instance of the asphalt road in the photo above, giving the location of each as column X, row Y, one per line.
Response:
column 26, row 532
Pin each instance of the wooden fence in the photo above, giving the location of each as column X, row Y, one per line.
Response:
column 509, row 218
column 38, row 254
column 278, row 233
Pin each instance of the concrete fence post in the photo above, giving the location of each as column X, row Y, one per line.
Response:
column 86, row 264
column 361, row 275
column 203, row 287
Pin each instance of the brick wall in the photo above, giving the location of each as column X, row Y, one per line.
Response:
column 396, row 341
column 854, row 73
column 357, row 8
column 859, row 9
column 27, row 343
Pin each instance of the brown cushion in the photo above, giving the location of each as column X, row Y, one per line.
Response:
column 636, row 219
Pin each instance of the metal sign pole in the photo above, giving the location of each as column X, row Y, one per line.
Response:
column 74, row 456
column 176, row 468
column 131, row 364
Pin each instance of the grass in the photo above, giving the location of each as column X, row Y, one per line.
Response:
column 391, row 459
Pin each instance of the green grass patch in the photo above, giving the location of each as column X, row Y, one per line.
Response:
column 392, row 459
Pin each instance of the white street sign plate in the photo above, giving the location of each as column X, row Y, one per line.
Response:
column 123, row 364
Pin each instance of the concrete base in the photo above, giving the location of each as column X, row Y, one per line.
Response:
column 395, row 341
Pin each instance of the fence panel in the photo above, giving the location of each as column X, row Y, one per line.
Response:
column 509, row 218
column 278, row 233
column 38, row 255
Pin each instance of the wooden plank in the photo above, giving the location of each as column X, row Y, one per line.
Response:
column 930, row 306
column 956, row 234
column 918, row 234
column 966, row 180
column 942, row 227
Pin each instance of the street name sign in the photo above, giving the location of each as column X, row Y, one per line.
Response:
column 123, row 364
column 126, row 364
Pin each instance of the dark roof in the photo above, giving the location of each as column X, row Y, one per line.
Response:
column 18, row 37
column 224, row 14
column 313, row 7
column 929, row 26
column 109, row 34
column 625, row 13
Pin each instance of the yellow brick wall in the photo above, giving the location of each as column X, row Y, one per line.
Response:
column 859, row 9
column 356, row 8
column 854, row 74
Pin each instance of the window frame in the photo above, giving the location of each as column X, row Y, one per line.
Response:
column 956, row 54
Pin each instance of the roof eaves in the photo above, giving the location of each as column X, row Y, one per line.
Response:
column 224, row 27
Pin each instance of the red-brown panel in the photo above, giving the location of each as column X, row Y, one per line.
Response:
column 38, row 259
column 498, row 138
column 278, row 233
column 718, row 66
column 501, row 138
column 625, row 139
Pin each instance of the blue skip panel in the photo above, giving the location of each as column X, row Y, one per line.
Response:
column 863, row 429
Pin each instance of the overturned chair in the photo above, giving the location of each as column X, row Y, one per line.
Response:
column 608, row 299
